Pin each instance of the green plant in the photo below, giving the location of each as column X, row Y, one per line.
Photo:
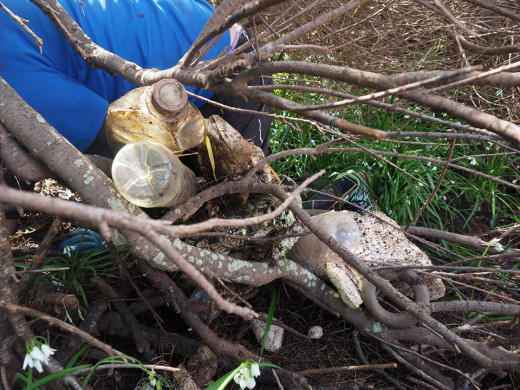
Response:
column 270, row 316
column 243, row 375
column 36, row 353
column 399, row 185
column 79, row 268
column 37, row 356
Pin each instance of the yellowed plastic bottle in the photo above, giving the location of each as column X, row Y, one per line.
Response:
column 160, row 113
column 150, row 175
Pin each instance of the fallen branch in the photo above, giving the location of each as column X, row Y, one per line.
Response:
column 329, row 370
column 15, row 309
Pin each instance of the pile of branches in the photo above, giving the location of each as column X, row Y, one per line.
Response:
column 158, row 244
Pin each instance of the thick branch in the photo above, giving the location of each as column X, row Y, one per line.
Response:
column 379, row 82
column 500, row 50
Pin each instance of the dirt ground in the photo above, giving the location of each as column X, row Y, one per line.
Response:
column 341, row 345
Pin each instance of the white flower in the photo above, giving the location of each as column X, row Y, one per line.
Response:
column 38, row 366
column 152, row 379
column 246, row 376
column 47, row 352
column 28, row 361
column 255, row 369
column 496, row 243
column 472, row 161
column 37, row 353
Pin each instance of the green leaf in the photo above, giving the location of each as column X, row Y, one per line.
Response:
column 223, row 381
column 269, row 320
column 55, row 376
column 77, row 355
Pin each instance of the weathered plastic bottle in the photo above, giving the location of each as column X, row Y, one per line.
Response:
column 312, row 251
column 324, row 262
column 150, row 175
column 160, row 112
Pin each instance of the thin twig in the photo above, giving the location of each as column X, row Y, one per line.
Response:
column 60, row 324
column 437, row 186
column 364, row 360
column 23, row 23
column 391, row 91
column 39, row 257
column 363, row 367
column 111, row 366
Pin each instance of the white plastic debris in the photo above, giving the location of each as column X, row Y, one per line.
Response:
column 315, row 332
column 274, row 337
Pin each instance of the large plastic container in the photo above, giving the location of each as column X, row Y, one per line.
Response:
column 149, row 175
column 160, row 113
column 311, row 251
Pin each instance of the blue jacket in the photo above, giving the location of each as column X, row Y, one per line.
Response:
column 69, row 94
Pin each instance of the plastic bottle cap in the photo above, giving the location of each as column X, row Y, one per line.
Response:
column 169, row 97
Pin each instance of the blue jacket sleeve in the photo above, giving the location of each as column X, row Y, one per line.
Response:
column 66, row 104
column 69, row 106
column 69, row 94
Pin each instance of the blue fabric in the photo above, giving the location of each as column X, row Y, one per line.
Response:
column 69, row 94
column 83, row 241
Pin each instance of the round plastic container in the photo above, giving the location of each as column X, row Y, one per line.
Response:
column 149, row 175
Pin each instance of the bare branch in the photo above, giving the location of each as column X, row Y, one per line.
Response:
column 441, row 9
column 486, row 49
column 23, row 23
column 15, row 309
column 372, row 80
column 221, row 21
column 496, row 8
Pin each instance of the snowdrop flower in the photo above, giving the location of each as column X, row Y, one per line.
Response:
column 472, row 161
column 47, row 352
column 152, row 379
column 37, row 353
column 255, row 369
column 28, row 361
column 246, row 376
column 496, row 243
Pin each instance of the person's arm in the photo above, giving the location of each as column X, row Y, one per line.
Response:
column 73, row 110
column 48, row 81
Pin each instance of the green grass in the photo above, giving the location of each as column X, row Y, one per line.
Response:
column 81, row 268
column 461, row 197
